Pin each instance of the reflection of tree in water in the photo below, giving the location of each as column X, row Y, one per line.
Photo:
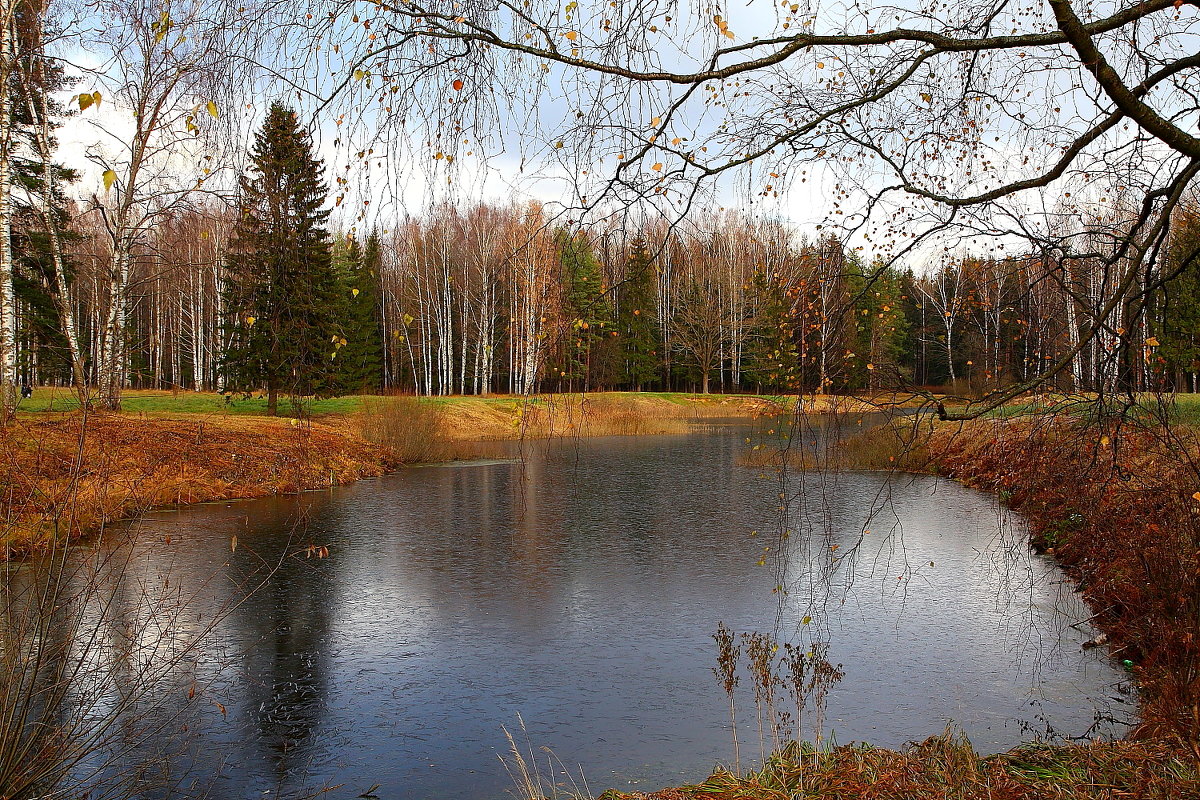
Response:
column 287, row 626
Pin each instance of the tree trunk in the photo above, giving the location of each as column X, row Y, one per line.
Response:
column 113, row 350
column 8, row 307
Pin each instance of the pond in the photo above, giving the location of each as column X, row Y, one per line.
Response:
column 577, row 590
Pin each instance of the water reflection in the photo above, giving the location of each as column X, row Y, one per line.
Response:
column 579, row 589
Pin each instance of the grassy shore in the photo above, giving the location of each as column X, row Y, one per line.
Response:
column 946, row 767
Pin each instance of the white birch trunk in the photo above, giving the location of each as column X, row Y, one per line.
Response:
column 8, row 308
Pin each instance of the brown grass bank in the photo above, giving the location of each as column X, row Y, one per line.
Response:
column 65, row 474
column 947, row 768
column 595, row 414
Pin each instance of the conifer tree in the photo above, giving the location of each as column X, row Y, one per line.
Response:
column 283, row 307
column 361, row 358
column 637, row 319
column 586, row 308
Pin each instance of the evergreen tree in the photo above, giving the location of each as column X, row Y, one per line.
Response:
column 1176, row 324
column 361, row 358
column 772, row 360
column 284, row 310
column 41, row 220
column 587, row 312
column 637, row 321
column 881, row 327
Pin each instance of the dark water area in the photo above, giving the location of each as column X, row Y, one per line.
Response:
column 577, row 590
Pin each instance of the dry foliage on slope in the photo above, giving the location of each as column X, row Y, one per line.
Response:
column 68, row 474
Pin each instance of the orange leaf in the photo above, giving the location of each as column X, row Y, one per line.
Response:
column 457, row 85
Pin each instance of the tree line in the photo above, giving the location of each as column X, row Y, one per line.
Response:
column 476, row 299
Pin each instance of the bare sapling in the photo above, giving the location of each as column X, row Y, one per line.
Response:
column 728, row 655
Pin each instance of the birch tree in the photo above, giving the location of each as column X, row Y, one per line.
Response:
column 165, row 65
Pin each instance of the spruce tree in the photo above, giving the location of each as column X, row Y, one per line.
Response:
column 282, row 302
column 637, row 319
column 361, row 358
column 586, row 307
column 41, row 220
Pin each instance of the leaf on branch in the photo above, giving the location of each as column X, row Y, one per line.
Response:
column 162, row 27
column 212, row 109
column 458, row 85
column 110, row 178
column 571, row 35
column 657, row 167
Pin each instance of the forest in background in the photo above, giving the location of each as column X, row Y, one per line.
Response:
column 485, row 299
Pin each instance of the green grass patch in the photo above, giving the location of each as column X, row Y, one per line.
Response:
column 208, row 403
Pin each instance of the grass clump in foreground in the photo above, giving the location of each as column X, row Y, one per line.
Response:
column 946, row 766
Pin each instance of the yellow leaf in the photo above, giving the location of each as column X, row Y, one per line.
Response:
column 110, row 178
column 354, row 292
column 1196, row 496
column 85, row 100
column 571, row 35
column 1152, row 342
column 212, row 109
column 250, row 321
column 806, row 620
column 96, row 98
column 655, row 122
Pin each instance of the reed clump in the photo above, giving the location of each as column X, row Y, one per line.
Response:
column 412, row 430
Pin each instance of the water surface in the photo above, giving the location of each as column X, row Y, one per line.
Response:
column 578, row 590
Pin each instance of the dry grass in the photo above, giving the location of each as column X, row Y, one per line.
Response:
column 598, row 414
column 63, row 474
column 899, row 444
column 413, row 431
column 947, row 768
